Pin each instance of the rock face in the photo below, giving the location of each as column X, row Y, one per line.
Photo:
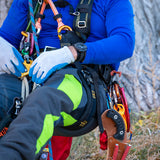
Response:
column 141, row 73
column 4, row 7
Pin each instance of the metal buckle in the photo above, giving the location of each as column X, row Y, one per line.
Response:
column 49, row 48
column 80, row 25
column 76, row 13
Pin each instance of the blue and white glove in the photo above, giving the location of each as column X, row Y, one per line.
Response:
column 48, row 62
column 11, row 61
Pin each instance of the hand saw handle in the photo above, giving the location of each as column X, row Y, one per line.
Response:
column 116, row 117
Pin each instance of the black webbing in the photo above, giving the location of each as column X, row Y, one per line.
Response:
column 81, row 23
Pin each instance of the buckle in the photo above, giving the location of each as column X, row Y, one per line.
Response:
column 81, row 24
column 49, row 48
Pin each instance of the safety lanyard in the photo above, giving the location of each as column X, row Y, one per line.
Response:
column 57, row 17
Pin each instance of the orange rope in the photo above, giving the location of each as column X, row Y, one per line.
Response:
column 61, row 26
column 54, row 9
column 3, row 132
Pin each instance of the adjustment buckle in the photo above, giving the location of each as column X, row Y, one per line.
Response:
column 81, row 24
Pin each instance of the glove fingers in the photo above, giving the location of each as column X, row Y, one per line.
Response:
column 45, row 76
column 34, row 77
column 17, row 62
column 13, row 70
column 20, row 67
column 17, row 55
column 5, row 69
column 39, row 80
column 48, row 62
column 59, row 66
column 32, row 69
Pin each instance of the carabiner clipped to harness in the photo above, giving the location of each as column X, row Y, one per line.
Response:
column 26, row 49
column 62, row 28
column 116, row 121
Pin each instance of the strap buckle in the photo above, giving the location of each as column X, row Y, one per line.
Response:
column 49, row 48
column 81, row 24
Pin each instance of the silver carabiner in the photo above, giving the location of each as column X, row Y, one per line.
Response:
column 76, row 13
column 40, row 2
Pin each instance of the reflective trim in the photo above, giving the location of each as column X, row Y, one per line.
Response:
column 47, row 131
column 72, row 88
column 68, row 119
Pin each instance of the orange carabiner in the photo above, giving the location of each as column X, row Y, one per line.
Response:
column 115, row 72
column 121, row 110
column 54, row 9
column 64, row 27
column 38, row 23
column 116, row 88
column 55, row 12
column 61, row 26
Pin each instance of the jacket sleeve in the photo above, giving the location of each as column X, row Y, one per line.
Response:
column 15, row 22
column 120, row 40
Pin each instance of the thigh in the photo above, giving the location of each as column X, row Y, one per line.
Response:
column 10, row 87
column 45, row 108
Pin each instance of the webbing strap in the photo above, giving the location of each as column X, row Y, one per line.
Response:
column 81, row 23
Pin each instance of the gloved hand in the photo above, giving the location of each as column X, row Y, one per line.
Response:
column 11, row 61
column 69, row 38
column 48, row 62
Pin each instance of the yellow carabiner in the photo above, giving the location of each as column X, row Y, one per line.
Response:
column 24, row 34
column 64, row 27
column 27, row 65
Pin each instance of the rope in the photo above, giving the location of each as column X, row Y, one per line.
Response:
column 25, row 84
column 35, row 11
column 25, row 88
column 33, row 27
column 50, row 150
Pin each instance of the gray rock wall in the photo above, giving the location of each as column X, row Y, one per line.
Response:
column 4, row 7
column 141, row 73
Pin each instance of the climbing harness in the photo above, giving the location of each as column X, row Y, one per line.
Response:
column 108, row 110
column 81, row 24
column 11, row 114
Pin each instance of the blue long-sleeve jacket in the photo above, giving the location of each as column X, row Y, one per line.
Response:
column 112, row 35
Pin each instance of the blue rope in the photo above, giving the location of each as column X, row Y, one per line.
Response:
column 37, row 51
column 33, row 26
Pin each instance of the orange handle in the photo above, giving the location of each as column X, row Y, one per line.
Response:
column 121, row 110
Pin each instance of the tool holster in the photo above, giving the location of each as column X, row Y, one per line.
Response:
column 118, row 146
